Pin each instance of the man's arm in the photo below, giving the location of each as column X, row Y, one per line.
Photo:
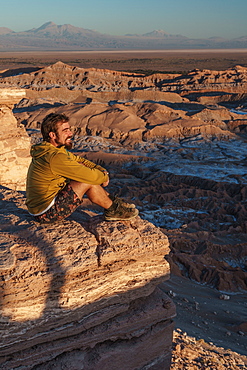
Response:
column 66, row 166
column 85, row 162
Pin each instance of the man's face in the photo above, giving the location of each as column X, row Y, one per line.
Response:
column 63, row 136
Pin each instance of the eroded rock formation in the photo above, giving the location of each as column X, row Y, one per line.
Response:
column 14, row 142
column 82, row 293
column 60, row 75
column 131, row 108
column 205, row 219
column 134, row 122
column 175, row 145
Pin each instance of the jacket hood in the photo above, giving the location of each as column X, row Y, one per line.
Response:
column 38, row 150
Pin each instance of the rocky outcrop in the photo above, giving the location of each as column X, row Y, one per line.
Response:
column 66, row 95
column 76, row 78
column 82, row 293
column 61, row 75
column 197, row 354
column 232, row 80
column 133, row 122
column 14, row 142
column 130, row 107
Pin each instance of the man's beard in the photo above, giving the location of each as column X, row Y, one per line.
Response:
column 68, row 144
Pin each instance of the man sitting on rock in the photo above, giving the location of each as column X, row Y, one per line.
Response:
column 57, row 179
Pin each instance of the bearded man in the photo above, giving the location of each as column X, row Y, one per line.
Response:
column 57, row 179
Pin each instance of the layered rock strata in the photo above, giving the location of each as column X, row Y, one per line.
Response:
column 14, row 142
column 232, row 80
column 83, row 293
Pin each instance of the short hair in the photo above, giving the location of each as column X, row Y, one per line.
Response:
column 50, row 123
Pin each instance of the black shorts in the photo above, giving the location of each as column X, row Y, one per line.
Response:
column 66, row 202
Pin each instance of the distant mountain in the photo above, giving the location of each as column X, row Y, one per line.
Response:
column 51, row 36
column 162, row 34
column 155, row 34
column 51, row 30
column 5, row 30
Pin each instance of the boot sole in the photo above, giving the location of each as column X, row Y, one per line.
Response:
column 109, row 218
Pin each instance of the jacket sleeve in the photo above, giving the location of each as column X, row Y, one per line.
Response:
column 86, row 162
column 66, row 166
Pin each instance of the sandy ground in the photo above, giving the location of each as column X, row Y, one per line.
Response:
column 148, row 61
column 203, row 314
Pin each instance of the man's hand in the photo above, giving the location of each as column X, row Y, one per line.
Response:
column 107, row 181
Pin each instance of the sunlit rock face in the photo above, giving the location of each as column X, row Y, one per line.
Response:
column 83, row 293
column 14, row 142
column 232, row 80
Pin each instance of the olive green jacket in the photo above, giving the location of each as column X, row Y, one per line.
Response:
column 51, row 169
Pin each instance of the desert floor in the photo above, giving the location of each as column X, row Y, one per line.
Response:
column 140, row 61
column 204, row 314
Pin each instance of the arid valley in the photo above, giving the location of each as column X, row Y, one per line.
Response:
column 171, row 128
column 146, row 61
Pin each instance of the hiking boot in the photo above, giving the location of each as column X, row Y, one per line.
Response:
column 118, row 212
column 121, row 201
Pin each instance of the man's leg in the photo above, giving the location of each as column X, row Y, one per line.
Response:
column 96, row 193
column 114, row 210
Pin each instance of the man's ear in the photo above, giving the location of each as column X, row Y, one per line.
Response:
column 52, row 135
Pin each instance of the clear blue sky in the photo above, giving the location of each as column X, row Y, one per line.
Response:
column 191, row 18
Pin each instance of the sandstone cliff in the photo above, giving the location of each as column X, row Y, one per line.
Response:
column 14, row 142
column 82, row 293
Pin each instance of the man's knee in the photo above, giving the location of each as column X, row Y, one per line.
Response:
column 80, row 188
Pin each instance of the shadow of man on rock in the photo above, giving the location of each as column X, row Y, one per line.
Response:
column 20, row 237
